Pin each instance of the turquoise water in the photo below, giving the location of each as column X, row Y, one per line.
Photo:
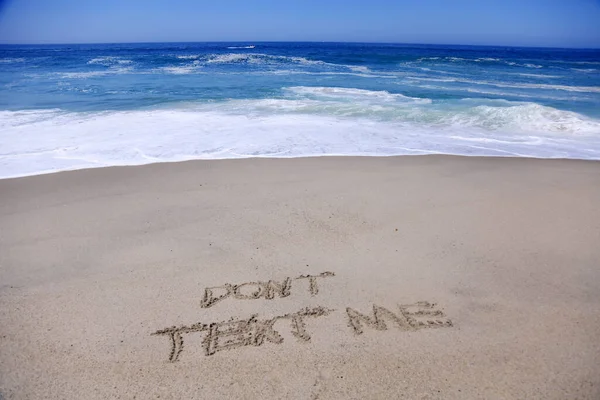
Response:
column 79, row 106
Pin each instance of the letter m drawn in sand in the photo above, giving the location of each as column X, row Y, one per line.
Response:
column 410, row 318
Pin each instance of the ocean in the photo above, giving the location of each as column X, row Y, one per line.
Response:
column 65, row 107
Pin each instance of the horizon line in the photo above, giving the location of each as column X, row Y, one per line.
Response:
column 301, row 41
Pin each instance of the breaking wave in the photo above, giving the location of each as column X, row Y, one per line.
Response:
column 583, row 89
column 304, row 121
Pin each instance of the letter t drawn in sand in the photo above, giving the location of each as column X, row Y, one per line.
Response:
column 239, row 333
column 313, row 287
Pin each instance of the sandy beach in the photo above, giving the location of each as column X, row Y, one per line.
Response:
column 425, row 277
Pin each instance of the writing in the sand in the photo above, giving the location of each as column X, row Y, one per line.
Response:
column 267, row 290
column 256, row 330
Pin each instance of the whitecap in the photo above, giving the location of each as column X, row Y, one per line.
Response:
column 583, row 89
column 585, row 69
column 11, row 60
column 352, row 93
column 180, row 70
column 359, row 68
column 91, row 74
column 327, row 73
column 109, row 60
column 542, row 76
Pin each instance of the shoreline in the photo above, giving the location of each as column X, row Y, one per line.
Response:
column 299, row 157
column 439, row 277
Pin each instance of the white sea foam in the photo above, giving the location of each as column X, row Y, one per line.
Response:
column 116, row 65
column 91, row 74
column 440, row 71
column 541, row 76
column 585, row 69
column 504, row 94
column 582, row 89
column 497, row 93
column 11, row 60
column 180, row 70
column 331, row 73
column 576, row 62
column 189, row 57
column 240, row 47
column 109, row 60
column 359, row 68
column 351, row 94
column 528, row 117
column 258, row 58
column 11, row 119
column 479, row 60
column 308, row 122
column 233, row 58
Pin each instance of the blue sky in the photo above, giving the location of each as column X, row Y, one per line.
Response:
column 558, row 23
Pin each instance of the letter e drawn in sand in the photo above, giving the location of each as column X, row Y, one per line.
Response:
column 411, row 317
column 239, row 333
column 233, row 334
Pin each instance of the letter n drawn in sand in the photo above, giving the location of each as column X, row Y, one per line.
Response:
column 411, row 317
column 282, row 289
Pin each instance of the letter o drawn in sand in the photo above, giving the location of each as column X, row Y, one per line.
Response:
column 237, row 293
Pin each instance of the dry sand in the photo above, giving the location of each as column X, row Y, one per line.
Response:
column 93, row 262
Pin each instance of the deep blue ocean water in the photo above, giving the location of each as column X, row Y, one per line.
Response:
column 78, row 106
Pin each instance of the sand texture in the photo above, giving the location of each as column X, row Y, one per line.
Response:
column 429, row 277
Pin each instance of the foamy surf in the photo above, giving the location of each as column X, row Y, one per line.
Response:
column 108, row 61
column 298, row 125
column 351, row 94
